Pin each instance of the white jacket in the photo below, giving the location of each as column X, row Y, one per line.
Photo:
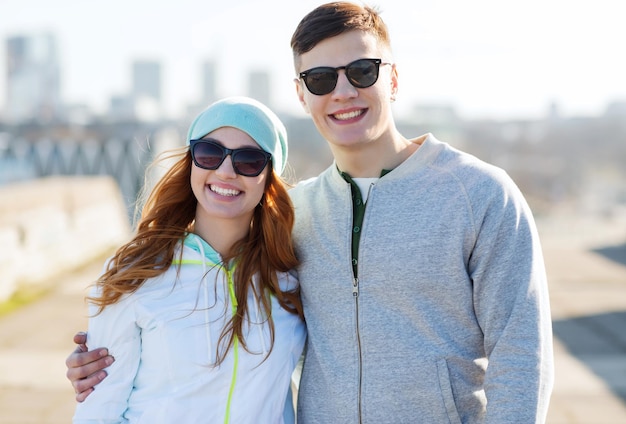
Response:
column 164, row 339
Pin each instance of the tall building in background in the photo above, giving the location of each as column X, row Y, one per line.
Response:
column 147, row 79
column 33, row 79
column 208, row 89
column 259, row 87
column 209, row 82
column 146, row 90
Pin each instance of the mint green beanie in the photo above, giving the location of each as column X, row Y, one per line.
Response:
column 249, row 116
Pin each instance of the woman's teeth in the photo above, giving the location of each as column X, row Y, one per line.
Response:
column 224, row 191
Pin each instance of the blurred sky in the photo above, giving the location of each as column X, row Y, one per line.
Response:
column 488, row 58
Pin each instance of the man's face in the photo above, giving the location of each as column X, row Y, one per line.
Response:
column 349, row 116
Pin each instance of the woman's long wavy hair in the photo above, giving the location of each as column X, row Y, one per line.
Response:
column 168, row 215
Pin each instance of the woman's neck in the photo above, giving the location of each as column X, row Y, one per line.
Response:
column 221, row 234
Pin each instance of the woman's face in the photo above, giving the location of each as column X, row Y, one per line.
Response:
column 222, row 194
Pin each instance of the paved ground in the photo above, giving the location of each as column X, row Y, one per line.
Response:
column 586, row 262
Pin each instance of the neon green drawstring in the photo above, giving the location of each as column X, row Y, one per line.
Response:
column 233, row 301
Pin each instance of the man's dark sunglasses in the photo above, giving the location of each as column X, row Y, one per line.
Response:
column 247, row 161
column 361, row 73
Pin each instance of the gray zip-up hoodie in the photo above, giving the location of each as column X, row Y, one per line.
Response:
column 449, row 320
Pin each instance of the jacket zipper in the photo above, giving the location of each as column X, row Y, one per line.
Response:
column 234, row 304
column 355, row 294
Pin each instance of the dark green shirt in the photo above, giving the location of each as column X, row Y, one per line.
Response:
column 358, row 212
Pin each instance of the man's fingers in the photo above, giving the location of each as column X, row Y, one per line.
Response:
column 83, row 395
column 85, row 386
column 84, row 369
column 80, row 338
column 80, row 358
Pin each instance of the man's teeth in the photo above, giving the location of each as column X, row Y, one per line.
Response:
column 348, row 115
column 224, row 191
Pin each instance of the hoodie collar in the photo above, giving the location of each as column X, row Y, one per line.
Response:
column 194, row 241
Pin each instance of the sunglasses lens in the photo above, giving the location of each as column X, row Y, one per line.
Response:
column 208, row 155
column 249, row 162
column 321, row 81
column 363, row 73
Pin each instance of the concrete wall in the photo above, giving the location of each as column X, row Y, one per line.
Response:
column 51, row 225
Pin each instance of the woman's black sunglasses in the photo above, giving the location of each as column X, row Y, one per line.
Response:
column 361, row 73
column 247, row 161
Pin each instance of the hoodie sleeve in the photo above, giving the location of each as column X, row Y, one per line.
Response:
column 512, row 307
column 116, row 329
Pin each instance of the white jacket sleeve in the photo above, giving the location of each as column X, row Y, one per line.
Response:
column 116, row 329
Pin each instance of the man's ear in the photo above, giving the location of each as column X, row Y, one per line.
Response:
column 394, row 82
column 300, row 92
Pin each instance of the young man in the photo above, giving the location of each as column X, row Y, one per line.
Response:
column 422, row 276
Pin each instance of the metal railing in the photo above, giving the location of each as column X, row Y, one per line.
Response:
column 123, row 159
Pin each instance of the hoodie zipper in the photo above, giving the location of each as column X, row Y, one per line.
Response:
column 355, row 294
column 233, row 302
column 358, row 215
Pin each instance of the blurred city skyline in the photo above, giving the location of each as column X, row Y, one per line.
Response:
column 486, row 59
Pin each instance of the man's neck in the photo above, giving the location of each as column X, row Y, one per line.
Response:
column 368, row 161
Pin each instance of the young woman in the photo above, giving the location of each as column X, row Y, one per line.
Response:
column 199, row 308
